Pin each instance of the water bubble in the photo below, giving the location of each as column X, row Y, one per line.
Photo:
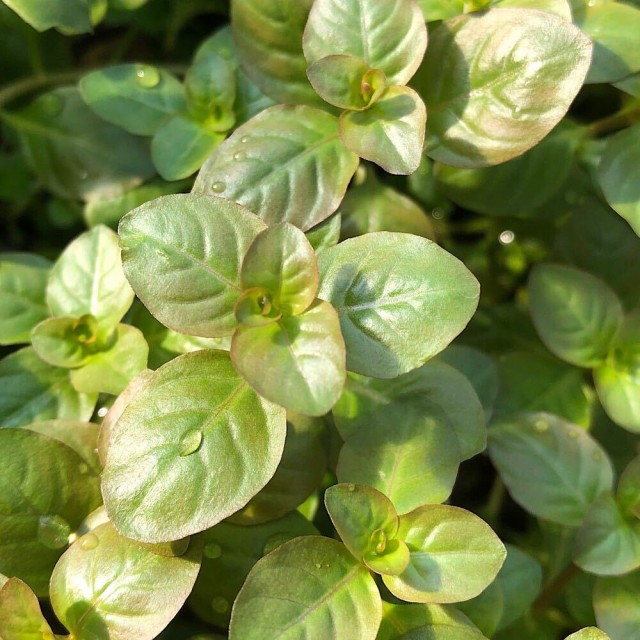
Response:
column 239, row 156
column 244, row 139
column 541, row 425
column 507, row 237
column 53, row 531
column 437, row 213
column 190, row 442
column 218, row 187
column 51, row 104
column 102, row 412
column 88, row 542
column 147, row 76
column 220, row 604
column 517, row 113
column 318, row 565
column 72, row 538
column 212, row 550
column 274, row 542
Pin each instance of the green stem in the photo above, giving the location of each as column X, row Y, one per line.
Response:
column 555, row 588
column 494, row 505
column 615, row 122
column 28, row 85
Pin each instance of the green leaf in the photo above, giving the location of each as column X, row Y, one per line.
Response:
column 230, row 551
column 87, row 279
column 516, row 186
column 535, row 382
column 297, row 362
column 286, row 165
column 454, row 555
column 34, row 390
column 616, row 174
column 310, row 587
column 326, row 234
column 107, row 586
column 210, row 86
column 608, row 543
column 136, row 97
column 181, row 145
column 165, row 449
column 434, row 382
column 512, row 592
column 425, row 621
column 282, row 261
column 559, row 7
column 23, row 279
column 376, row 207
column 575, row 313
column 346, row 82
column 110, row 371
column 401, row 300
column 498, row 82
column 566, row 468
column 590, row 633
column 20, row 614
column 441, row 9
column 299, row 473
column 76, row 154
column 268, row 38
column 613, row 27
column 389, row 36
column 414, row 463
column 630, row 85
column 193, row 245
column 71, row 15
column 628, row 494
column 46, row 490
column 615, row 601
column 389, row 133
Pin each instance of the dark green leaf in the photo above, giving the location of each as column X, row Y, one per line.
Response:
column 401, row 300
column 71, row 15
column 628, row 494
column 163, row 479
column 286, row 165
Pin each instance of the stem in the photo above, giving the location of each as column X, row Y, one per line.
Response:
column 494, row 504
column 615, row 122
column 555, row 588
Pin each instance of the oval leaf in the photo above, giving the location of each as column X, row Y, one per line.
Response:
column 615, row 602
column 165, row 449
column 401, row 300
column 20, row 614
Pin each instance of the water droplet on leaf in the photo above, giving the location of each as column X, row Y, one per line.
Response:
column 190, row 442
column 318, row 565
column 212, row 550
column 239, row 156
column 220, row 604
column 218, row 187
column 147, row 76
column 88, row 542
column 541, row 425
column 102, row 412
column 51, row 104
column 244, row 139
column 53, row 531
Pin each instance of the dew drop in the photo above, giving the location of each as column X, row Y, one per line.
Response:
column 507, row 237
column 190, row 442
column 274, row 542
column 541, row 425
column 218, row 187
column 53, row 531
column 244, row 139
column 212, row 550
column 517, row 113
column 220, row 604
column 437, row 213
column 318, row 565
column 102, row 412
column 88, row 542
column 147, row 76
column 51, row 104
column 239, row 156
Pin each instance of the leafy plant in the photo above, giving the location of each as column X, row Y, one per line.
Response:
column 319, row 319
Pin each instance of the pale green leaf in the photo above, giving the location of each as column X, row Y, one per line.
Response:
column 20, row 614
column 615, row 601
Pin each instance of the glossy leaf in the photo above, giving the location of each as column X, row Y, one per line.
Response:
column 401, row 299
column 575, row 313
column 23, row 278
column 441, row 9
column 88, row 279
column 111, row 371
column 566, row 468
column 56, row 342
column 181, row 145
column 286, row 165
column 75, row 153
column 136, row 97
column 389, row 133
column 435, row 383
column 34, row 390
column 326, row 234
column 194, row 245
column 20, row 614
column 106, row 586
column 407, row 451
column 46, row 491
column 454, row 555
column 590, row 633
column 608, row 543
column 615, row 175
column 297, row 362
column 389, row 36
column 559, row 7
column 70, row 15
column 193, row 411
column 628, row 493
column 308, row 587
column 268, row 37
column 496, row 83
column 230, row 551
column 282, row 261
column 615, row 603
